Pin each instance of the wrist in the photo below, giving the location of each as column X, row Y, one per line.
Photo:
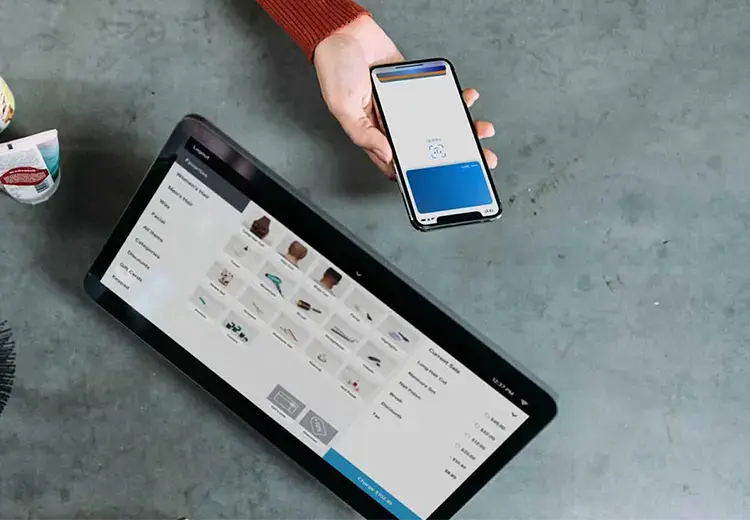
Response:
column 309, row 22
column 364, row 31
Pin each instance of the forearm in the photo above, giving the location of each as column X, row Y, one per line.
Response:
column 309, row 22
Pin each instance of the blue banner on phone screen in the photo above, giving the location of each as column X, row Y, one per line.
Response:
column 453, row 186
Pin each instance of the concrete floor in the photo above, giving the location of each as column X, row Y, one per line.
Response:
column 619, row 273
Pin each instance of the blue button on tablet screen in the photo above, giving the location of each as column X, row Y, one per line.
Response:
column 369, row 486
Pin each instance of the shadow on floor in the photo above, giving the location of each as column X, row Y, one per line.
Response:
column 98, row 186
column 115, row 513
column 296, row 93
column 103, row 159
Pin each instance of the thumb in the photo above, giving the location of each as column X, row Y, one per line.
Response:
column 365, row 134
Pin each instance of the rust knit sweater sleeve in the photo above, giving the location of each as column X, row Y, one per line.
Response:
column 308, row 22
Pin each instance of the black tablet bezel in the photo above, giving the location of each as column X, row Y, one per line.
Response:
column 269, row 191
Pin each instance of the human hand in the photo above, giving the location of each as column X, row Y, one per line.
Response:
column 343, row 62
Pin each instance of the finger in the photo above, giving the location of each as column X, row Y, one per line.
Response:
column 387, row 169
column 365, row 134
column 491, row 158
column 484, row 129
column 470, row 96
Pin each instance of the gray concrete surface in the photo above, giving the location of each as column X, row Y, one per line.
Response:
column 619, row 273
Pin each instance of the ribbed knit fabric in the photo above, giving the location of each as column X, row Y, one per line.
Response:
column 310, row 21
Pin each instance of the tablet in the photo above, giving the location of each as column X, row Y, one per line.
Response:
column 308, row 336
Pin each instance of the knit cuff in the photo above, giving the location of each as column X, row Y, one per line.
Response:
column 309, row 22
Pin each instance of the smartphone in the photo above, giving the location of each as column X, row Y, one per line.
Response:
column 440, row 167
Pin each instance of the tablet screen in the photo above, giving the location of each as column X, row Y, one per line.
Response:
column 305, row 342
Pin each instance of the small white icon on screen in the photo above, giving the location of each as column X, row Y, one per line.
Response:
column 318, row 426
column 437, row 151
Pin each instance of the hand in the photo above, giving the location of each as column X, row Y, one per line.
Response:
column 343, row 62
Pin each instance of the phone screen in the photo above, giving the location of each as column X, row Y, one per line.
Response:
column 440, row 163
